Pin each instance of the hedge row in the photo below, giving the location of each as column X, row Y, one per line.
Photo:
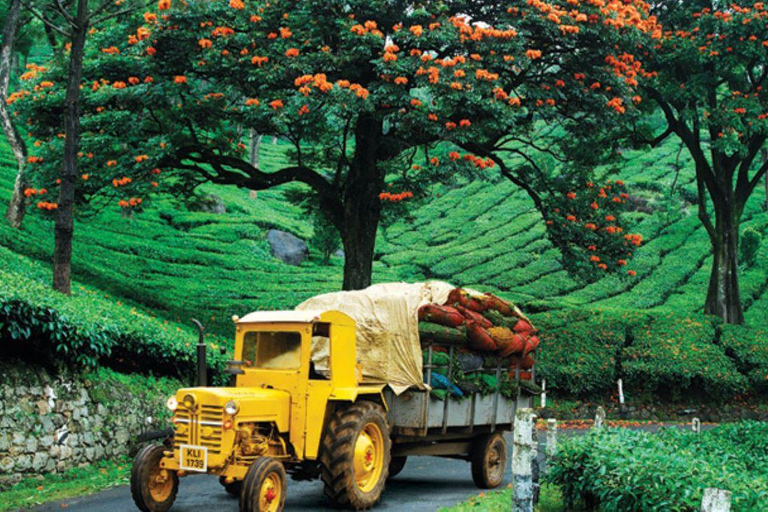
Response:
column 657, row 355
column 89, row 329
column 624, row 470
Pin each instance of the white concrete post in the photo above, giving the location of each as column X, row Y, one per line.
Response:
column 599, row 418
column 696, row 425
column 621, row 391
column 543, row 393
column 551, row 437
column 523, row 451
column 716, row 500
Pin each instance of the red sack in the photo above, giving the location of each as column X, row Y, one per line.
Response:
column 526, row 375
column 499, row 304
column 508, row 342
column 523, row 327
column 441, row 315
column 479, row 338
column 475, row 317
column 531, row 344
column 526, row 363
column 462, row 298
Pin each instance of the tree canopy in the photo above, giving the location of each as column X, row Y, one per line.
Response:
column 376, row 97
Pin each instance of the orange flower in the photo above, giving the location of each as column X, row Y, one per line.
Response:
column 259, row 60
column 237, row 4
column 85, row 177
column 133, row 80
column 150, row 17
column 164, row 5
column 180, row 79
column 594, row 259
column 276, row 104
column 205, row 43
column 417, row 30
column 111, row 163
column 292, row 52
column 631, row 273
column 285, row 32
column 415, row 102
column 151, row 51
column 251, row 102
column 141, row 158
column 119, row 85
column 304, row 110
column 465, row 123
column 401, row 80
column 533, row 54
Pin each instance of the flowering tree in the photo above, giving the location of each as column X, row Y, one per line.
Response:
column 710, row 73
column 376, row 97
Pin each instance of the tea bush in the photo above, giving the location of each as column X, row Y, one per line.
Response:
column 624, row 470
column 748, row 347
column 89, row 328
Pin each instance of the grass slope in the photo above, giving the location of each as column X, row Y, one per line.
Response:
column 181, row 264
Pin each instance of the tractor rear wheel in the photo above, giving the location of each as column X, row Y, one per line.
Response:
column 355, row 455
column 264, row 487
column 153, row 488
column 489, row 460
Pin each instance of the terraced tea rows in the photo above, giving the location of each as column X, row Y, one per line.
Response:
column 484, row 234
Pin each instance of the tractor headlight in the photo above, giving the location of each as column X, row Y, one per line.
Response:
column 231, row 408
column 172, row 403
column 189, row 401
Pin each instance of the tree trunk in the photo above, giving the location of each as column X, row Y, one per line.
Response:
column 362, row 206
column 255, row 145
column 723, row 296
column 16, row 207
column 65, row 224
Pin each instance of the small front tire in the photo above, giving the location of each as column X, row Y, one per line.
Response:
column 153, row 488
column 233, row 488
column 489, row 460
column 264, row 487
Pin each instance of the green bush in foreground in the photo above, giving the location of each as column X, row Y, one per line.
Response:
column 623, row 470
column 88, row 329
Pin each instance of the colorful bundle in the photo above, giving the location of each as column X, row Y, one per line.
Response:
column 481, row 323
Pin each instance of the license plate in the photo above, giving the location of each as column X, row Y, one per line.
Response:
column 193, row 458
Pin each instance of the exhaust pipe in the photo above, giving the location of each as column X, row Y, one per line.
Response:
column 202, row 364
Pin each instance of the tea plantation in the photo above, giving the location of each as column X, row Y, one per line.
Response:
column 172, row 263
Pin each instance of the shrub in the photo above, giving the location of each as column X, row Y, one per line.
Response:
column 674, row 355
column 748, row 348
column 623, row 470
column 749, row 245
column 87, row 329
column 325, row 239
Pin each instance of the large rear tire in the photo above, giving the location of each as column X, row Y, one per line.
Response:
column 264, row 487
column 355, row 456
column 153, row 488
column 489, row 460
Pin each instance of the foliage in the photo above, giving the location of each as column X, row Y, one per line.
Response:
column 325, row 238
column 335, row 79
column 625, row 470
column 87, row 329
column 749, row 246
column 59, row 486
column 748, row 347
column 550, row 500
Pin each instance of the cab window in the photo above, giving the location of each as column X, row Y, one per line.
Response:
column 272, row 350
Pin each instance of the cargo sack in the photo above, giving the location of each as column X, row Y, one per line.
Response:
column 531, row 344
column 475, row 317
column 498, row 304
column 440, row 359
column 498, row 319
column 442, row 382
column 470, row 362
column 523, row 327
column 479, row 338
column 440, row 334
column 462, row 298
column 507, row 342
column 441, row 315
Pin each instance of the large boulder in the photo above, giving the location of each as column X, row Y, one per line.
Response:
column 287, row 247
column 209, row 203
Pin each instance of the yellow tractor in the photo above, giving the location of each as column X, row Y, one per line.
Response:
column 283, row 415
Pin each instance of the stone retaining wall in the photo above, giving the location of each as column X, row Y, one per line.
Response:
column 53, row 422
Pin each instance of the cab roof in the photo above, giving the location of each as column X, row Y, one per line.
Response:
column 281, row 317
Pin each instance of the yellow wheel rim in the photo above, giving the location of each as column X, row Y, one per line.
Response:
column 270, row 493
column 369, row 457
column 160, row 484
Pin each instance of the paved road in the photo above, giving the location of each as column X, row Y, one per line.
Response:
column 426, row 483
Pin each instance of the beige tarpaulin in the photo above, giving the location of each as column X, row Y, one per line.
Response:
column 388, row 346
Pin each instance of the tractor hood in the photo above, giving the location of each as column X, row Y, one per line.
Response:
column 255, row 404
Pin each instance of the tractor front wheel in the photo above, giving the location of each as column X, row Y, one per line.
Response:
column 232, row 488
column 489, row 460
column 355, row 455
column 264, row 487
column 153, row 488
